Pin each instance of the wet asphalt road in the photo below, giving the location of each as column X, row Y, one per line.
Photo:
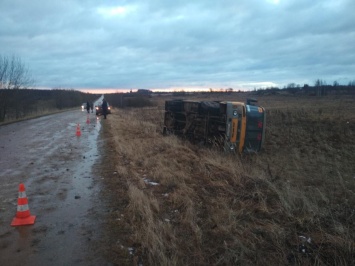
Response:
column 56, row 167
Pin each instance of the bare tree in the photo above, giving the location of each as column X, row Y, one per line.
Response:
column 4, row 62
column 13, row 75
column 335, row 83
column 320, row 87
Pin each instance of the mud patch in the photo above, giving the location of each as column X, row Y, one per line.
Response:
column 62, row 195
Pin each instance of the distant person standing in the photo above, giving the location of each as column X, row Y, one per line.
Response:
column 88, row 106
column 92, row 107
column 104, row 108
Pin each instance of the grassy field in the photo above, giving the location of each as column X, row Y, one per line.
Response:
column 174, row 203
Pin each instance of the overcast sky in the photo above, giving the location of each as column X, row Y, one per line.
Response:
column 156, row 44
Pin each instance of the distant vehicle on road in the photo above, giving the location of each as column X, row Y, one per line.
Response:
column 83, row 107
column 98, row 109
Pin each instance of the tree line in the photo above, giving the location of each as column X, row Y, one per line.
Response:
column 18, row 99
column 16, row 104
column 320, row 88
column 141, row 98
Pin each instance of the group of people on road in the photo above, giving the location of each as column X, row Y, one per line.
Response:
column 104, row 107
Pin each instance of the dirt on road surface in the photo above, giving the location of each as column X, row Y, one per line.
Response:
column 63, row 186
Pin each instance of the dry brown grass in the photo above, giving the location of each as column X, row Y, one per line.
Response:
column 211, row 208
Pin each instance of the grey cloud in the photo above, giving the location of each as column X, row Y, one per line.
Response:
column 162, row 43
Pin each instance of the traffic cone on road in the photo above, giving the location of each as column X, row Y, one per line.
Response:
column 23, row 216
column 87, row 119
column 78, row 132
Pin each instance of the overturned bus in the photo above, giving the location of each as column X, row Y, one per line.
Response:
column 236, row 126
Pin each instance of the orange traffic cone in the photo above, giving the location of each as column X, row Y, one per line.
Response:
column 23, row 216
column 78, row 132
column 87, row 119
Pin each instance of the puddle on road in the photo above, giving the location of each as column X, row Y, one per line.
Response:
column 83, row 175
column 69, row 223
